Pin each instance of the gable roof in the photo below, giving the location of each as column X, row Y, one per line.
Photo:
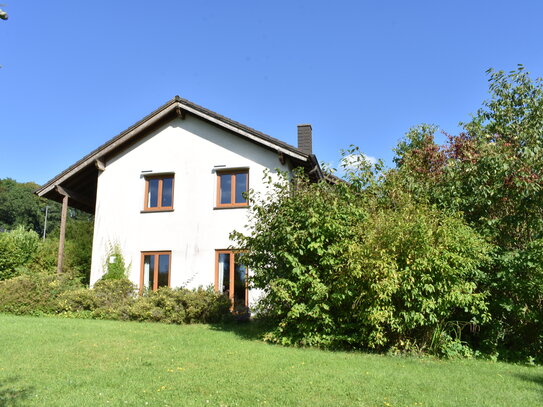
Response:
column 80, row 179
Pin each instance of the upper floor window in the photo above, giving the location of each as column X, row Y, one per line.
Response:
column 159, row 193
column 232, row 188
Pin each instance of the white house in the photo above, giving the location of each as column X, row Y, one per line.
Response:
column 170, row 189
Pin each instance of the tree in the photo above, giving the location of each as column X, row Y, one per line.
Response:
column 78, row 254
column 493, row 174
column 406, row 258
column 19, row 206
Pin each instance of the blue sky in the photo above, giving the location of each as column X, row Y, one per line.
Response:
column 74, row 74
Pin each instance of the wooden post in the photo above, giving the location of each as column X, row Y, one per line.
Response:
column 62, row 233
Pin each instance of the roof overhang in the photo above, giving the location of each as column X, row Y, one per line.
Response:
column 79, row 181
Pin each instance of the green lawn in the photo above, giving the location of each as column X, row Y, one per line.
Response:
column 67, row 362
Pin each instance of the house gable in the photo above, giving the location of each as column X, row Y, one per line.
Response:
column 80, row 178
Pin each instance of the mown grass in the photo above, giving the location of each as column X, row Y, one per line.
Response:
column 51, row 361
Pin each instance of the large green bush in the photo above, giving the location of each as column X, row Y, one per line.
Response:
column 118, row 299
column 515, row 284
column 180, row 306
column 17, row 248
column 78, row 249
column 415, row 272
column 299, row 234
column 35, row 293
column 46, row 293
column 108, row 299
column 23, row 251
column 359, row 265
column 46, row 257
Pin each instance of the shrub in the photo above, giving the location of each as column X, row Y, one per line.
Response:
column 116, row 299
column 113, row 298
column 180, row 305
column 45, row 258
column 414, row 270
column 516, row 287
column 296, row 245
column 360, row 266
column 47, row 293
column 108, row 299
column 35, row 293
column 78, row 250
column 163, row 305
column 17, row 248
column 78, row 300
column 204, row 305
column 109, row 293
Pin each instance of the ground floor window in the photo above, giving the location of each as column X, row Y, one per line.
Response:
column 231, row 278
column 155, row 270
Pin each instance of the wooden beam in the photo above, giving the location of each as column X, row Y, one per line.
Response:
column 83, row 199
column 100, row 164
column 281, row 157
column 180, row 113
column 62, row 234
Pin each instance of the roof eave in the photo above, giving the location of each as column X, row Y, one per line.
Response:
column 107, row 147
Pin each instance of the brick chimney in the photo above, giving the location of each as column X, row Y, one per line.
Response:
column 305, row 138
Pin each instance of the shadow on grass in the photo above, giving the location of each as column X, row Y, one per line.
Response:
column 12, row 395
column 533, row 378
column 252, row 330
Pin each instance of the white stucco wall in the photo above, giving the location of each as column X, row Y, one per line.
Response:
column 191, row 149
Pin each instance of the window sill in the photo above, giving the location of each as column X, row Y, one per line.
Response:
column 230, row 207
column 156, row 210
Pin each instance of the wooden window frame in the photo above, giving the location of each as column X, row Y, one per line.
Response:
column 159, row 207
column 232, row 254
column 155, row 276
column 232, row 173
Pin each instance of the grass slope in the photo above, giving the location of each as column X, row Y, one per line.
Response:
column 67, row 362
